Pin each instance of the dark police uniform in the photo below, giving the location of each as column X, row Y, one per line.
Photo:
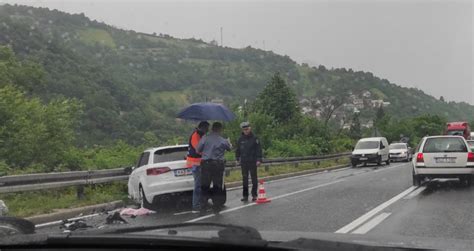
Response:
column 212, row 147
column 248, row 152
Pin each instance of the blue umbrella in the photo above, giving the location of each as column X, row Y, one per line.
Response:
column 206, row 111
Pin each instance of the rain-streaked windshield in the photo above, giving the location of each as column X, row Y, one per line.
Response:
column 362, row 145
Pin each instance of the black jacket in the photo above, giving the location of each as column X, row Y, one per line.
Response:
column 248, row 149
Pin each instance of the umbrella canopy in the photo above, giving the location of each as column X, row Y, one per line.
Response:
column 206, row 111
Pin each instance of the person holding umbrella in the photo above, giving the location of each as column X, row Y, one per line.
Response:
column 213, row 147
column 249, row 154
column 193, row 160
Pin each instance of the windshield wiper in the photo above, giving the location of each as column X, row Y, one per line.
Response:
column 229, row 230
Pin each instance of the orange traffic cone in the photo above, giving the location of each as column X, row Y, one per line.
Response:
column 262, row 196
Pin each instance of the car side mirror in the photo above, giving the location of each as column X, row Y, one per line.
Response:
column 128, row 170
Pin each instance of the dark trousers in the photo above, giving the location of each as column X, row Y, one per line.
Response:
column 212, row 172
column 249, row 167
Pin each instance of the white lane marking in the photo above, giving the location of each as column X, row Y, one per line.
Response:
column 184, row 212
column 295, row 177
column 357, row 222
column 415, row 193
column 371, row 224
column 273, row 199
column 60, row 221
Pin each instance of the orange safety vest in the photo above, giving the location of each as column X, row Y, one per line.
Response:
column 194, row 157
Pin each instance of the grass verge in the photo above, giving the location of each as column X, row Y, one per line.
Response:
column 26, row 204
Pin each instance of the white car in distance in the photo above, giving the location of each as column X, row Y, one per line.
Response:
column 159, row 173
column 443, row 157
column 399, row 152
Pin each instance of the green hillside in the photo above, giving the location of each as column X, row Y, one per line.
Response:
column 132, row 83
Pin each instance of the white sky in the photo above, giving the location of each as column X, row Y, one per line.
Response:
column 424, row 44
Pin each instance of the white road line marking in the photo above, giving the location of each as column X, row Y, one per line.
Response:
column 357, row 222
column 371, row 224
column 415, row 193
column 181, row 213
column 272, row 198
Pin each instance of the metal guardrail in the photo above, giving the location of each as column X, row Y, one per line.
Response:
column 41, row 181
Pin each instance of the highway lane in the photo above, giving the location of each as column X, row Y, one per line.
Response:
column 336, row 200
column 317, row 202
column 443, row 209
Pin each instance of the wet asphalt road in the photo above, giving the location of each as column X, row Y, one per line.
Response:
column 365, row 200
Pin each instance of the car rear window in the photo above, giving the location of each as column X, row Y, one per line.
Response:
column 440, row 145
column 398, row 146
column 170, row 154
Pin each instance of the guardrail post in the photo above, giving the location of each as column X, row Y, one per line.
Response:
column 318, row 162
column 80, row 192
column 227, row 172
column 266, row 168
column 296, row 164
column 336, row 160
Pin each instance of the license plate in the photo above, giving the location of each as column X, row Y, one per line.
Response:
column 444, row 160
column 183, row 172
column 364, row 158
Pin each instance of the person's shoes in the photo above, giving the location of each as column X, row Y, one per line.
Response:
column 244, row 199
column 254, row 198
column 217, row 210
column 195, row 210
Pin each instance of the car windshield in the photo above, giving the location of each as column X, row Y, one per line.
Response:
column 440, row 145
column 171, row 154
column 398, row 146
column 362, row 145
column 270, row 114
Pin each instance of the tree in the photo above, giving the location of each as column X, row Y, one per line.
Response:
column 35, row 133
column 278, row 100
column 355, row 131
column 441, row 98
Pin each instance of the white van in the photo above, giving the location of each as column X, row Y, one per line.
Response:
column 371, row 150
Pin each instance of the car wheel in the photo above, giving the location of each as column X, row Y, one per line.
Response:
column 379, row 161
column 416, row 180
column 13, row 225
column 466, row 181
column 387, row 162
column 354, row 164
column 142, row 198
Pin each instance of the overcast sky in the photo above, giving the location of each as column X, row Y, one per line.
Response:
column 424, row 44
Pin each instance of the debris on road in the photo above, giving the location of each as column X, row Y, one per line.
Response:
column 136, row 212
column 69, row 225
column 115, row 219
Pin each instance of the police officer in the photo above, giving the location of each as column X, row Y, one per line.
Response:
column 193, row 160
column 213, row 147
column 249, row 154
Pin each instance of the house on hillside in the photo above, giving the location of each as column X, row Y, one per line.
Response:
column 358, row 103
column 366, row 94
column 306, row 110
column 377, row 102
